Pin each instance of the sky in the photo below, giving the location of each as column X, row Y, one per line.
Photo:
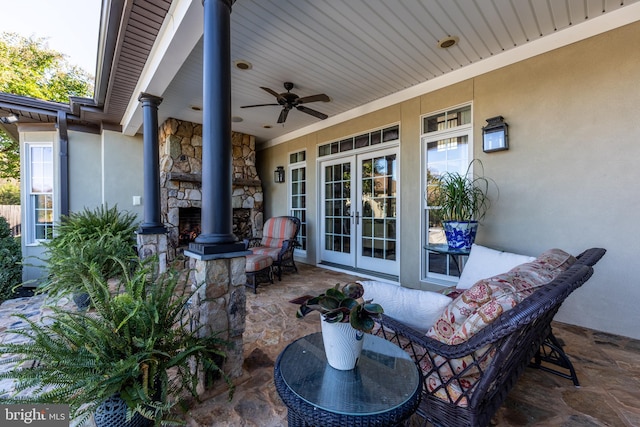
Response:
column 69, row 26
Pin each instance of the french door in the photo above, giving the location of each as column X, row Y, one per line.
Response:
column 359, row 226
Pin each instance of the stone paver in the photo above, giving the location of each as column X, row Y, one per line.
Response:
column 608, row 367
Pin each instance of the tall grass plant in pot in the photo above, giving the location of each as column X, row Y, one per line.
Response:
column 462, row 201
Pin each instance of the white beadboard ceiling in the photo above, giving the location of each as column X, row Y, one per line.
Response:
column 364, row 51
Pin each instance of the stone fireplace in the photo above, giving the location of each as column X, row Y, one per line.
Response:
column 180, row 184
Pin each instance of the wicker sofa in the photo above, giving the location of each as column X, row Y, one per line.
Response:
column 465, row 383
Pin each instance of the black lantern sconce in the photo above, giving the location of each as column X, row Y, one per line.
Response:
column 495, row 135
column 278, row 175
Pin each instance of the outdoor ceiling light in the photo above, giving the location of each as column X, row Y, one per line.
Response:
column 448, row 42
column 278, row 175
column 9, row 120
column 495, row 136
column 243, row 65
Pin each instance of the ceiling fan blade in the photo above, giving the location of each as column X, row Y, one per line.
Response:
column 283, row 115
column 315, row 113
column 273, row 92
column 257, row 105
column 313, row 98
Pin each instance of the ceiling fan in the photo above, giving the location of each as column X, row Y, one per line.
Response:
column 290, row 100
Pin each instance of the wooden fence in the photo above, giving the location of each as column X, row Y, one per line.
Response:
column 12, row 214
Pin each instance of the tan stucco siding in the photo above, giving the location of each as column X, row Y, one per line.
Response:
column 122, row 171
column 569, row 179
column 85, row 168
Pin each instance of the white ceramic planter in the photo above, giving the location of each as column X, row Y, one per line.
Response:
column 342, row 344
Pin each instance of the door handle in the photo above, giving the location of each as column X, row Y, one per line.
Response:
column 356, row 216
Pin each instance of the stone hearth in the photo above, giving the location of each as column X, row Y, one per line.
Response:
column 181, row 177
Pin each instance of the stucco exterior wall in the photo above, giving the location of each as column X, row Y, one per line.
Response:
column 104, row 168
column 568, row 180
column 85, row 170
column 122, row 171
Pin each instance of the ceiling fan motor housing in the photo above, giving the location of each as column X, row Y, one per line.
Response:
column 289, row 100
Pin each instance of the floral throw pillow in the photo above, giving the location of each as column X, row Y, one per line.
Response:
column 485, row 301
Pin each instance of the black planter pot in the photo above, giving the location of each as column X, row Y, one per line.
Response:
column 113, row 413
column 82, row 300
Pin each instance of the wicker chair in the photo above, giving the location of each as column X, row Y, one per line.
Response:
column 495, row 357
column 278, row 241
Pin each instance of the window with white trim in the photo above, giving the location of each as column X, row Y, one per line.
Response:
column 39, row 192
column 298, row 194
column 446, row 147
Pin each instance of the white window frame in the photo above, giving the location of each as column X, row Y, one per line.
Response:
column 30, row 215
column 425, row 139
column 290, row 168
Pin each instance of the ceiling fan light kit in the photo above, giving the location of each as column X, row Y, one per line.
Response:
column 289, row 101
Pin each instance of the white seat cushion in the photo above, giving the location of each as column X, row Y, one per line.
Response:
column 484, row 262
column 413, row 307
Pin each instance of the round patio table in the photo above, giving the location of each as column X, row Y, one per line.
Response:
column 383, row 390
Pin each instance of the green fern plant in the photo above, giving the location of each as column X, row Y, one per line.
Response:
column 137, row 342
column 91, row 237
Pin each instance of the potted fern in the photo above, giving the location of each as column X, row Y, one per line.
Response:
column 97, row 237
column 135, row 349
column 462, row 201
column 346, row 317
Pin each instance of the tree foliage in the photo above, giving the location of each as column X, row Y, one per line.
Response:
column 9, row 156
column 29, row 68
column 10, row 257
column 9, row 193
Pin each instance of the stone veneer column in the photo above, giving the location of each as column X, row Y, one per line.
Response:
column 219, row 305
column 218, row 259
column 153, row 244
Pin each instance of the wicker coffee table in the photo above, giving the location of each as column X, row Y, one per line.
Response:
column 383, row 390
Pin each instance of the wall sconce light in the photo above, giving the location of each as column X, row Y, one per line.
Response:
column 495, row 136
column 278, row 175
column 9, row 120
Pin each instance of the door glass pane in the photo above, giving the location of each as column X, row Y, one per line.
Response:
column 379, row 178
column 298, row 201
column 337, row 207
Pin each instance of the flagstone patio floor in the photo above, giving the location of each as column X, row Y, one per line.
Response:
column 608, row 366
